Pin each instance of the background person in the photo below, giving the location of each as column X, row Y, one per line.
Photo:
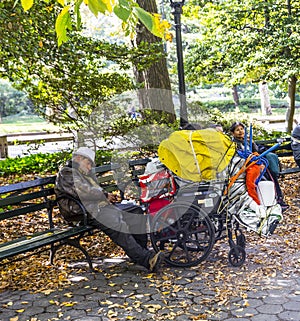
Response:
column 237, row 130
column 296, row 144
column 77, row 180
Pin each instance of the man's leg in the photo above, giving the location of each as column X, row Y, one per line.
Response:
column 110, row 221
column 136, row 220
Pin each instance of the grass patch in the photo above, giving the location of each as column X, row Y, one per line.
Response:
column 25, row 124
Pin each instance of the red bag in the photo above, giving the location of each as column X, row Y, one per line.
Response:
column 156, row 204
column 157, row 186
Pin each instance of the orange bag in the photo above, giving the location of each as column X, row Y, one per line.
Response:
column 252, row 173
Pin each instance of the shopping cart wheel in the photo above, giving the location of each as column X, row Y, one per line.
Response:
column 237, row 255
column 184, row 233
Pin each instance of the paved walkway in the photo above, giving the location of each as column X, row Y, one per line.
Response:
column 122, row 291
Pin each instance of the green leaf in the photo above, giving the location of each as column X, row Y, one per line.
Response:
column 124, row 4
column 27, row 4
column 97, row 6
column 77, row 13
column 145, row 17
column 122, row 13
column 63, row 22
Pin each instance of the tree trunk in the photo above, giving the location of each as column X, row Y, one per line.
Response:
column 235, row 96
column 266, row 108
column 289, row 116
column 155, row 80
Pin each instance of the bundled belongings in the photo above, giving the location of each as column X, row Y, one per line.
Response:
column 250, row 199
column 197, row 155
column 261, row 218
column 157, row 186
column 196, row 194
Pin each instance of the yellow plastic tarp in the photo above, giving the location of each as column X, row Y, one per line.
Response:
column 196, row 155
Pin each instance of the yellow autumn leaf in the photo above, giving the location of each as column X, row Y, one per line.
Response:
column 53, row 302
column 47, row 292
column 112, row 313
column 27, row 4
column 161, row 28
column 152, row 307
column 69, row 295
column 20, row 310
column 14, row 319
column 166, row 292
column 106, row 302
column 109, row 4
column 69, row 304
column 148, row 276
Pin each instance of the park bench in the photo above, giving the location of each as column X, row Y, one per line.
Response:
column 284, row 150
column 24, row 205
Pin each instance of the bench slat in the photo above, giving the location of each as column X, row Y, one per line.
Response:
column 290, row 171
column 25, row 185
column 39, row 240
column 31, row 208
column 15, row 199
column 284, row 150
column 106, row 168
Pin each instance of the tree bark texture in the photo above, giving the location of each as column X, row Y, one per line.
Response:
column 235, row 96
column 289, row 116
column 155, row 80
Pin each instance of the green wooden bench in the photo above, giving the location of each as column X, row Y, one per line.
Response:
column 24, row 204
column 284, row 150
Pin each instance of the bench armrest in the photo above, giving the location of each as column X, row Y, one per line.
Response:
column 78, row 202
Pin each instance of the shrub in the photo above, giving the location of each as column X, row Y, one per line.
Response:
column 43, row 163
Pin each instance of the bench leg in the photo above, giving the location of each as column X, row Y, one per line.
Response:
column 53, row 250
column 75, row 243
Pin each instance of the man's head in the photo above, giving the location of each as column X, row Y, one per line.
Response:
column 237, row 130
column 85, row 157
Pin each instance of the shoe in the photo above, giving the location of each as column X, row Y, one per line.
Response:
column 284, row 207
column 155, row 261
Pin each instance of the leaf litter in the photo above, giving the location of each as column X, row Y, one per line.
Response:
column 265, row 259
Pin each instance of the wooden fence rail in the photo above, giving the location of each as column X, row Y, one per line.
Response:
column 31, row 138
